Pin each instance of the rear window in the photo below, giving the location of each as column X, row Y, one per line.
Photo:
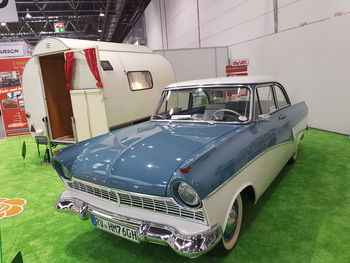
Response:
column 266, row 102
column 140, row 80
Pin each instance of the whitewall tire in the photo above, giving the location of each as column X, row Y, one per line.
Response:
column 233, row 226
column 295, row 155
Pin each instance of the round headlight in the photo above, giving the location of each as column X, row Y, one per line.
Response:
column 66, row 174
column 188, row 195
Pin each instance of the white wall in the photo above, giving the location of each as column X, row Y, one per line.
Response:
column 154, row 26
column 225, row 22
column 292, row 13
column 313, row 63
column 198, row 63
column 173, row 24
column 181, row 23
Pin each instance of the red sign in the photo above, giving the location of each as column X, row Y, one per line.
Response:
column 232, row 69
column 239, row 67
column 59, row 27
column 11, row 97
column 240, row 62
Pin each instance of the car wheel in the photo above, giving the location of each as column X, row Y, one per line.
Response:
column 295, row 155
column 233, row 226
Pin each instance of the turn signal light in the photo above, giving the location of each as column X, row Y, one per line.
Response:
column 185, row 170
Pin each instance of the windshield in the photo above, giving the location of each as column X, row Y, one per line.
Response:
column 222, row 104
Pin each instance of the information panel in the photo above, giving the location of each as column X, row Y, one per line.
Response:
column 11, row 97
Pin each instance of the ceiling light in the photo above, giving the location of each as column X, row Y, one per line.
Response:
column 101, row 13
column 99, row 31
column 3, row 23
column 28, row 15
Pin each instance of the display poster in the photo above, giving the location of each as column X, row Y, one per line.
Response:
column 11, row 97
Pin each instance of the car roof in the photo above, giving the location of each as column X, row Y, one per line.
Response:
column 224, row 81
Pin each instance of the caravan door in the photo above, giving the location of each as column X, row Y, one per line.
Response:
column 88, row 100
column 56, row 98
column 34, row 97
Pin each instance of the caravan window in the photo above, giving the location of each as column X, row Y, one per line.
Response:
column 140, row 80
column 106, row 65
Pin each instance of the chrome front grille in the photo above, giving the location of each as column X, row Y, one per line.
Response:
column 165, row 206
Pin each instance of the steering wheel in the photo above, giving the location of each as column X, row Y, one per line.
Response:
column 227, row 110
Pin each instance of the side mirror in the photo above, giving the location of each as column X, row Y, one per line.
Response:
column 264, row 117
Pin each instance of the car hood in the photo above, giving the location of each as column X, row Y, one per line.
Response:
column 142, row 158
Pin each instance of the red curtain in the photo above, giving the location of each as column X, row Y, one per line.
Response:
column 68, row 69
column 90, row 55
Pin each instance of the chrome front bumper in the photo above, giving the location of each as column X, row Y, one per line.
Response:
column 186, row 245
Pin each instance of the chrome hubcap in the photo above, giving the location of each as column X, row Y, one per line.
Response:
column 231, row 222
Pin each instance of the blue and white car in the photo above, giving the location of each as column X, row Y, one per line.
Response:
column 179, row 178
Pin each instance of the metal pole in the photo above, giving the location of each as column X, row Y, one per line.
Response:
column 166, row 26
column 275, row 14
column 199, row 27
column 161, row 24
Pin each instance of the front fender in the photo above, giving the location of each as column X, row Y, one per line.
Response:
column 218, row 161
column 218, row 204
column 67, row 155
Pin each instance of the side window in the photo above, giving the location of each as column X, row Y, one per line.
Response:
column 199, row 98
column 176, row 103
column 266, row 102
column 140, row 80
column 280, row 97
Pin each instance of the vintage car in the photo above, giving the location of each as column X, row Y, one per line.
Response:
column 179, row 178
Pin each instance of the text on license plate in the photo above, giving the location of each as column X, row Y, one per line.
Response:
column 115, row 228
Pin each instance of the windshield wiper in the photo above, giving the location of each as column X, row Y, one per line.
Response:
column 160, row 116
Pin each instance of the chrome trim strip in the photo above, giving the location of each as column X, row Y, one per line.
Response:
column 163, row 205
column 185, row 245
column 217, row 85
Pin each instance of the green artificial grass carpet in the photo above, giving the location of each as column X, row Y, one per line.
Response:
column 304, row 216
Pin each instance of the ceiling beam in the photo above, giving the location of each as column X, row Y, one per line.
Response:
column 81, row 17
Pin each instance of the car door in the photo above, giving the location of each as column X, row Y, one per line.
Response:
column 276, row 122
column 283, row 107
column 272, row 136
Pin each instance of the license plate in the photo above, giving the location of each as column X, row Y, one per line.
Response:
column 115, row 228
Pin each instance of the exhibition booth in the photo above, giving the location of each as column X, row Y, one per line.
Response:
column 179, row 131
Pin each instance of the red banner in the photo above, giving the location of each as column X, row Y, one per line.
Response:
column 11, row 97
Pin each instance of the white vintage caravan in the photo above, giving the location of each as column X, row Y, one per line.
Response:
column 132, row 78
